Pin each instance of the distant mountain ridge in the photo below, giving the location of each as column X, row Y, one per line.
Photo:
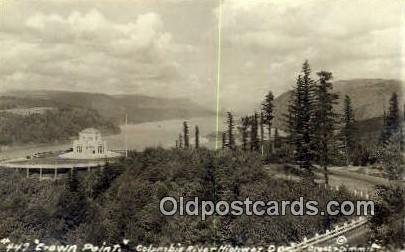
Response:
column 139, row 108
column 369, row 97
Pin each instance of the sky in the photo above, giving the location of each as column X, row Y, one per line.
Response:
column 169, row 48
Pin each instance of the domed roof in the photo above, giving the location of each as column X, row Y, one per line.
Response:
column 90, row 131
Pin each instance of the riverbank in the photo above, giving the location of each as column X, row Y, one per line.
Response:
column 136, row 136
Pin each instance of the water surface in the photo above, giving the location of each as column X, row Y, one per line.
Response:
column 135, row 136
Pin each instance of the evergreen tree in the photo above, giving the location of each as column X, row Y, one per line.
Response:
column 254, row 140
column 231, row 126
column 393, row 118
column 73, row 182
column 276, row 138
column 73, row 206
column 261, row 125
column 392, row 158
column 197, row 137
column 105, row 178
column 290, row 119
column 224, row 140
column 180, row 141
column 387, row 224
column 384, row 133
column 267, row 109
column 324, row 121
column 402, row 141
column 209, row 179
column 186, row 135
column 243, row 129
column 392, row 121
column 300, row 120
column 349, row 129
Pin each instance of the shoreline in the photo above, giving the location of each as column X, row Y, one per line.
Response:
column 142, row 135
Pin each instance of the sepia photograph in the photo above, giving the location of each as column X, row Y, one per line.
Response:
column 202, row 125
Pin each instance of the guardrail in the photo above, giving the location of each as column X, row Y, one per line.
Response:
column 338, row 230
column 358, row 193
column 329, row 234
column 14, row 163
column 52, row 166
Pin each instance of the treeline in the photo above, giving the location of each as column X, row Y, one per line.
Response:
column 12, row 102
column 122, row 201
column 317, row 134
column 387, row 224
column 51, row 126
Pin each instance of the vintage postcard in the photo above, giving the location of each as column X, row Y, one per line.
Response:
column 202, row 125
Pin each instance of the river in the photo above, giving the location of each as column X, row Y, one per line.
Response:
column 161, row 133
column 138, row 137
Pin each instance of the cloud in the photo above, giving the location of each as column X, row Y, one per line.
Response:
column 169, row 48
column 353, row 39
column 83, row 49
column 88, row 26
column 93, row 28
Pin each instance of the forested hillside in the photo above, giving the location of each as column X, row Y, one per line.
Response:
column 139, row 108
column 51, row 126
column 122, row 201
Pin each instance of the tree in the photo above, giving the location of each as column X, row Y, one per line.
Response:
column 73, row 182
column 292, row 115
column 324, row 121
column 276, row 138
column 261, row 126
column 290, row 119
column 105, row 178
column 267, row 110
column 254, row 140
column 73, row 205
column 180, row 141
column 300, row 120
column 231, row 126
column 224, row 140
column 402, row 142
column 186, row 135
column 387, row 223
column 243, row 129
column 391, row 140
column 392, row 121
column 197, row 137
column 349, row 129
column 393, row 118
column 392, row 157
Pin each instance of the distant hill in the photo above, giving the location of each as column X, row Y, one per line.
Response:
column 50, row 125
column 139, row 108
column 369, row 98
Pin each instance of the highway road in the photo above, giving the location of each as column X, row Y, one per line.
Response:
column 353, row 182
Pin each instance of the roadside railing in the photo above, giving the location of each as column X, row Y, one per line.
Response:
column 329, row 234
